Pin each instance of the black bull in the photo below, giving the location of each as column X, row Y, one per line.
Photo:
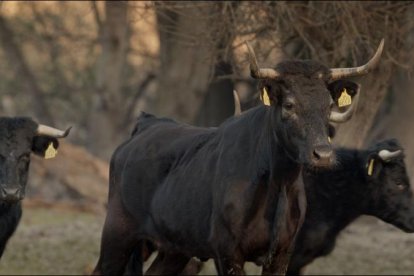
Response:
column 232, row 193
column 19, row 137
column 371, row 181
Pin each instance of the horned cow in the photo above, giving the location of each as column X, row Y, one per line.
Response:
column 372, row 182
column 19, row 137
column 232, row 193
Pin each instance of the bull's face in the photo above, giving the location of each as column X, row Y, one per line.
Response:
column 389, row 194
column 304, row 96
column 19, row 137
column 302, row 108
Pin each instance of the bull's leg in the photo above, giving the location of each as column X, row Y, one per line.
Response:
column 298, row 264
column 140, row 255
column 116, row 249
column 193, row 267
column 279, row 265
column 292, row 203
column 230, row 266
column 118, row 241
column 168, row 264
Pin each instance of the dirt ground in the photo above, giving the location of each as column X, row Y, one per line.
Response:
column 65, row 241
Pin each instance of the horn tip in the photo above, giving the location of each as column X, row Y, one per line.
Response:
column 67, row 131
column 381, row 46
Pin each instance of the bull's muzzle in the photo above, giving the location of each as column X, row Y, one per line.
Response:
column 322, row 156
column 10, row 194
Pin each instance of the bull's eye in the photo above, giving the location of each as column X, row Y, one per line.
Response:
column 288, row 106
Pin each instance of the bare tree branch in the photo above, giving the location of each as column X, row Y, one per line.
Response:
column 16, row 59
column 142, row 88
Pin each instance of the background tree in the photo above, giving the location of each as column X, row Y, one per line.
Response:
column 96, row 65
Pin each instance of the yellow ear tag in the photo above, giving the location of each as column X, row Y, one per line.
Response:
column 329, row 140
column 51, row 152
column 345, row 99
column 265, row 97
column 371, row 167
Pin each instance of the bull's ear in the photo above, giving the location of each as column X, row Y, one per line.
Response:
column 45, row 146
column 264, row 96
column 269, row 93
column 343, row 91
column 373, row 165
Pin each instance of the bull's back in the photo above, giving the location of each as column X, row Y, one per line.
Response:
column 140, row 165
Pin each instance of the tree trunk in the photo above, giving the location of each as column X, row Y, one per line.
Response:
column 354, row 132
column 369, row 115
column 218, row 103
column 15, row 57
column 107, row 101
column 395, row 118
column 187, row 55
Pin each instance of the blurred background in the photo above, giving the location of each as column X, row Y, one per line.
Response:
column 96, row 65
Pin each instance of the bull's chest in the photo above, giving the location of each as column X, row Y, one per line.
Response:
column 256, row 241
column 257, row 233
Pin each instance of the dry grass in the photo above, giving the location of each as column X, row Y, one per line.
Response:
column 53, row 242
column 63, row 241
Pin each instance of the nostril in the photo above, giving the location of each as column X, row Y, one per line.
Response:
column 322, row 153
column 316, row 155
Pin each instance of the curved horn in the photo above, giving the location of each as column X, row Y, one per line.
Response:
column 52, row 132
column 338, row 73
column 257, row 72
column 341, row 117
column 387, row 155
column 237, row 106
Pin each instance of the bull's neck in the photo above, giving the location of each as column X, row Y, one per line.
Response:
column 6, row 206
column 337, row 196
column 253, row 136
column 282, row 164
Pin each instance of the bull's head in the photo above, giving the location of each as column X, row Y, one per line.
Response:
column 388, row 193
column 19, row 137
column 304, row 97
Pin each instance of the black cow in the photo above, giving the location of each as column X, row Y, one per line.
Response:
column 365, row 182
column 356, row 186
column 19, row 137
column 232, row 193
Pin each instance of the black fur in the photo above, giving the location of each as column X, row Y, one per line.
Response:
column 339, row 196
column 17, row 140
column 231, row 193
